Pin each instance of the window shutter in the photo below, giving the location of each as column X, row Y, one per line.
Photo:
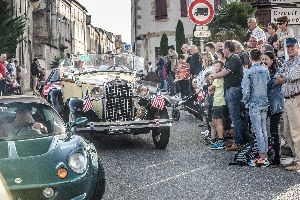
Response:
column 183, row 8
column 161, row 9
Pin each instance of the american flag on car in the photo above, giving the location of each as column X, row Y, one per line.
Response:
column 158, row 101
column 87, row 104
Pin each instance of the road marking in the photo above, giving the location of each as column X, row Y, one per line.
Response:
column 162, row 163
column 170, row 178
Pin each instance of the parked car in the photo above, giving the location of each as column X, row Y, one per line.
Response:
column 118, row 104
column 41, row 158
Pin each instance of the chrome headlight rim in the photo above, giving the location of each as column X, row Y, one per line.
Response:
column 78, row 162
column 98, row 92
column 143, row 91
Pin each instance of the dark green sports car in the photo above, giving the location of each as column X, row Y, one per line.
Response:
column 41, row 158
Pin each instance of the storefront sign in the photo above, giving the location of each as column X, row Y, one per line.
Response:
column 292, row 13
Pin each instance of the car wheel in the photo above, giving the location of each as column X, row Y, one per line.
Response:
column 175, row 114
column 100, row 184
column 161, row 135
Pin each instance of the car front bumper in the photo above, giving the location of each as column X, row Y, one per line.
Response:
column 126, row 125
column 80, row 188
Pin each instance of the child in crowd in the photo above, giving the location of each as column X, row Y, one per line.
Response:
column 210, row 133
column 255, row 97
column 219, row 106
column 183, row 76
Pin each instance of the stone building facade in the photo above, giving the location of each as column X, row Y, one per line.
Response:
column 60, row 28
column 150, row 19
column 92, row 37
column 23, row 51
column 78, row 20
column 64, row 27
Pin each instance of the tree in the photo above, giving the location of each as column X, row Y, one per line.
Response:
column 164, row 45
column 55, row 63
column 179, row 37
column 230, row 22
column 11, row 28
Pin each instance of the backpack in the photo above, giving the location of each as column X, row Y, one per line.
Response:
column 250, row 152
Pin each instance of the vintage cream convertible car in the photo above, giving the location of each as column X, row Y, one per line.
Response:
column 118, row 105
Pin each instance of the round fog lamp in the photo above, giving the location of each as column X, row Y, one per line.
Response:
column 48, row 192
column 62, row 173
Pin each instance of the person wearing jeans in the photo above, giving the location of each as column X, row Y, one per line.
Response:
column 233, row 96
column 276, row 101
column 233, row 74
column 255, row 97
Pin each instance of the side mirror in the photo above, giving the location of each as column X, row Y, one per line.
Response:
column 42, row 83
column 81, row 122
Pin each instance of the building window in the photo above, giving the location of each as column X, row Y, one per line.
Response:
column 157, row 51
column 183, row 7
column 161, row 9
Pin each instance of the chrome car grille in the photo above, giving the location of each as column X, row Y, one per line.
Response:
column 119, row 105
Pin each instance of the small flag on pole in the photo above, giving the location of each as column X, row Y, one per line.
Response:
column 87, row 104
column 158, row 102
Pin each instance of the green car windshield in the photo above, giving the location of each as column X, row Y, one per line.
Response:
column 28, row 120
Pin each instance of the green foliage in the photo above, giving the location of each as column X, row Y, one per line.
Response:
column 180, row 37
column 164, row 45
column 55, row 63
column 11, row 29
column 230, row 22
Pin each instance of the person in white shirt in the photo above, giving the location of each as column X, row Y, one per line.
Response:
column 256, row 31
column 283, row 33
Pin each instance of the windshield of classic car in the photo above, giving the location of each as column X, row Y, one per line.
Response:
column 28, row 120
column 98, row 62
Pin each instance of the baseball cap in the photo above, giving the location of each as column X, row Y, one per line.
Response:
column 291, row 41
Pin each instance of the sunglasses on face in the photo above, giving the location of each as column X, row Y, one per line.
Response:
column 279, row 23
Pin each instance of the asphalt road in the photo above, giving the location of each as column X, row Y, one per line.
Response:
column 187, row 169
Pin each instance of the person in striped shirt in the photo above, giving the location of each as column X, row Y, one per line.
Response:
column 289, row 76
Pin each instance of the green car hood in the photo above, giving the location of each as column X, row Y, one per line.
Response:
column 34, row 161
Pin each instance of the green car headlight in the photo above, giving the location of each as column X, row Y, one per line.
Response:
column 78, row 163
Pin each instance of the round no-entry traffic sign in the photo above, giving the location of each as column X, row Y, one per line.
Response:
column 201, row 12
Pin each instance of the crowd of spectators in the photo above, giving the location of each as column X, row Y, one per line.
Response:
column 244, row 85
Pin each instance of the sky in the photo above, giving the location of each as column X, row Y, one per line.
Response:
column 111, row 15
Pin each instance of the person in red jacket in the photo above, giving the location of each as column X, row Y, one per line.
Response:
column 183, row 76
column 3, row 72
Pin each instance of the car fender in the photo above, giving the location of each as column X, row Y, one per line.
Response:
column 75, row 107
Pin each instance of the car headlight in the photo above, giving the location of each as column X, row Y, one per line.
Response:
column 143, row 91
column 78, row 163
column 97, row 92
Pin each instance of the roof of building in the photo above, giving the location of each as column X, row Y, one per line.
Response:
column 79, row 4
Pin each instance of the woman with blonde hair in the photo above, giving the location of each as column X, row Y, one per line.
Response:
column 207, row 64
